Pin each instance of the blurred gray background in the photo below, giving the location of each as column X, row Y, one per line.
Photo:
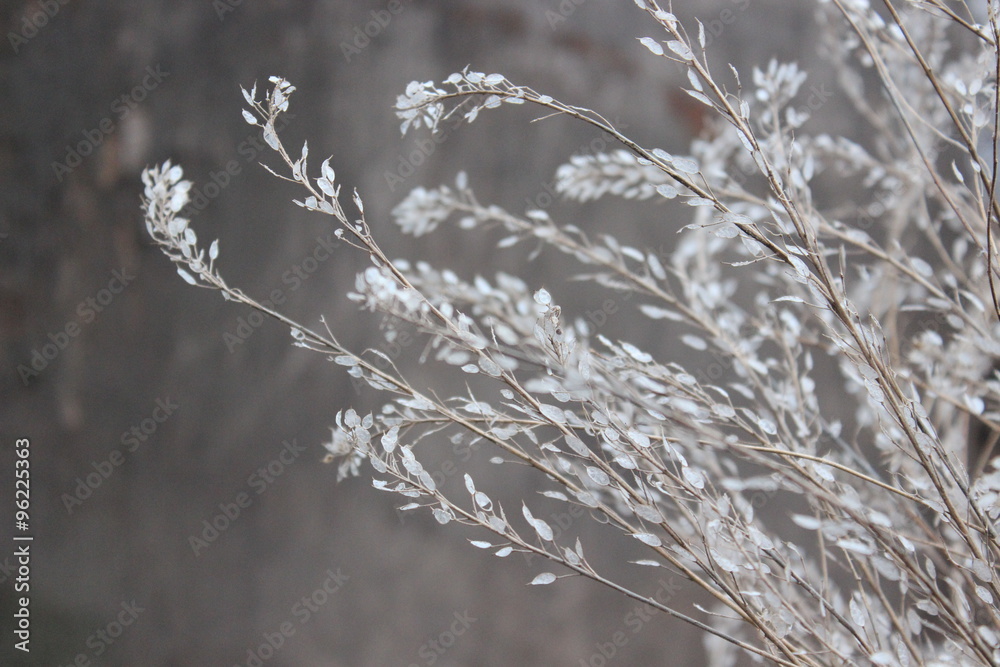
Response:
column 123, row 344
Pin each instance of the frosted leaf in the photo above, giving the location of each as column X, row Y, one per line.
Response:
column 857, row 613
column 640, row 439
column 694, row 342
column 856, row 546
column 723, row 562
column 666, row 190
column 767, row 426
column 657, row 313
column 648, row 513
column 479, row 544
column 723, row 410
column 686, row 165
column 442, row 516
column 483, row 500
column 984, row 595
column 647, row 563
column 389, row 439
column 543, row 579
column 493, row 79
column 648, row 539
column 553, row 413
column 806, row 521
column 921, row 267
column 490, row 367
column 543, row 529
column 543, row 298
column 975, row 404
column 694, row 477
column 598, row 476
column 652, row 45
column 759, row 538
column 636, row 353
column 188, row 278
column 982, row 571
column 270, row 137
column 469, row 484
column 576, row 444
column 681, row 49
column 503, row 553
column 931, row 569
column 823, row 471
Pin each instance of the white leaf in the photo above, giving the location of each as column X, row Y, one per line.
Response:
column 652, row 45
column 389, row 439
column 857, row 613
column 576, row 444
column 598, row 476
column 270, row 137
column 213, row 250
column 186, row 276
column 681, row 49
column 543, row 579
column 648, row 538
column 694, row 477
column 553, row 413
